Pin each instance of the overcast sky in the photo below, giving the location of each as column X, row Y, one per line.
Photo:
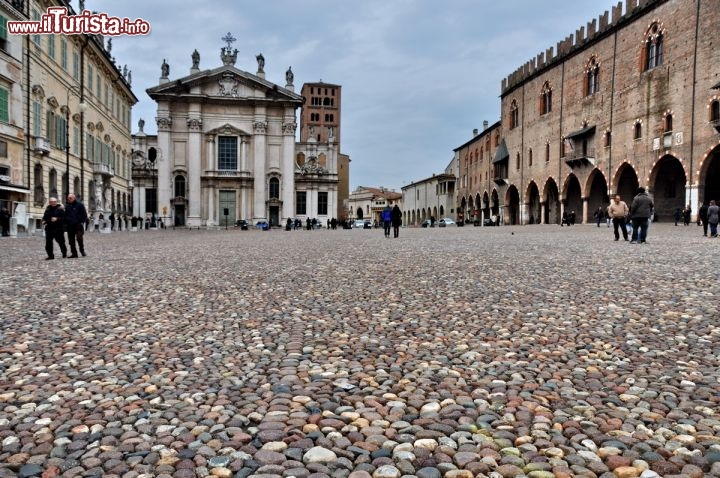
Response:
column 417, row 75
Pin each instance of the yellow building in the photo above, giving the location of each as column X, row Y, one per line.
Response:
column 78, row 132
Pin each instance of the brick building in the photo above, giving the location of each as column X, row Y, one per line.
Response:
column 632, row 99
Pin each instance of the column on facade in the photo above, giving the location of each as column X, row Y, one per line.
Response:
column 692, row 197
column 584, row 211
column 542, row 212
column 194, row 171
column 163, row 163
column 243, row 153
column 259, row 152
column 245, row 201
column 211, row 192
column 523, row 219
column 287, row 165
column 332, row 202
column 210, row 147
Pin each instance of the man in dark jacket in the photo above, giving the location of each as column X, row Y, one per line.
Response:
column 75, row 219
column 640, row 212
column 703, row 217
column 396, row 218
column 53, row 220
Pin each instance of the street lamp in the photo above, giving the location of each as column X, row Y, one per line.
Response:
column 66, row 185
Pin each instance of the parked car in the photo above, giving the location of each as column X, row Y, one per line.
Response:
column 427, row 223
column 488, row 222
column 262, row 225
column 359, row 224
column 446, row 221
column 367, row 225
column 242, row 224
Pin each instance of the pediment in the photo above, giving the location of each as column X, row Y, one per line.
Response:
column 225, row 82
column 227, row 130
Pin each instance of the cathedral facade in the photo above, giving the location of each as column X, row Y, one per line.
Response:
column 225, row 149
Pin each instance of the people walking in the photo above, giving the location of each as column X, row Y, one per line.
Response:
column 396, row 218
column 386, row 217
column 598, row 214
column 641, row 212
column 703, row 217
column 75, row 219
column 677, row 215
column 686, row 215
column 53, row 220
column 618, row 211
column 713, row 217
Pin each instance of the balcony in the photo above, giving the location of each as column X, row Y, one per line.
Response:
column 223, row 173
column 42, row 145
column 104, row 169
column 579, row 157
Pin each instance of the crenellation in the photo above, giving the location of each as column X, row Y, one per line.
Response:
column 579, row 36
column 591, row 28
column 603, row 22
column 617, row 13
column 631, row 6
column 549, row 56
column 540, row 59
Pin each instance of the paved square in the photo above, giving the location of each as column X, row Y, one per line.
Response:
column 533, row 351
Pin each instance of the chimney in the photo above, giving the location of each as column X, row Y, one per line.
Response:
column 475, row 132
column 485, row 125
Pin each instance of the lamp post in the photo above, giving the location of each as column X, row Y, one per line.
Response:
column 66, row 185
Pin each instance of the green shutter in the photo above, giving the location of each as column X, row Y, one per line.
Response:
column 4, row 110
column 3, row 27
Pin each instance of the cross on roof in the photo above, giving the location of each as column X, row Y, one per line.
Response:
column 229, row 39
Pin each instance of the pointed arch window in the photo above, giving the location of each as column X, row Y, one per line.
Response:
column 715, row 111
column 514, row 116
column 637, row 132
column 592, row 77
column 530, row 157
column 547, row 152
column 668, row 123
column 653, row 47
column 546, row 99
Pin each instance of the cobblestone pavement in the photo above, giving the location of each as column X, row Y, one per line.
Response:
column 533, row 351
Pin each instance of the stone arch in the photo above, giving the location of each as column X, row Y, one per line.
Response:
column 551, row 196
column 486, row 205
column 625, row 182
column 532, row 199
column 667, row 186
column 495, row 203
column 572, row 195
column 435, row 214
column 710, row 176
column 442, row 211
column 359, row 213
column 596, row 192
column 512, row 205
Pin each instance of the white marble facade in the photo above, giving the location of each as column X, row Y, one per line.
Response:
column 226, row 140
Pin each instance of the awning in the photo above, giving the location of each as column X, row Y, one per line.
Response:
column 501, row 154
column 15, row 189
column 581, row 132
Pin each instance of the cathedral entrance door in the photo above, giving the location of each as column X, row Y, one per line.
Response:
column 274, row 215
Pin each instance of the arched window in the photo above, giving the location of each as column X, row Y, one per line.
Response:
column 274, row 188
column 592, row 77
column 179, row 186
column 76, row 187
column 52, row 183
column 715, row 111
column 653, row 47
column 608, row 139
column 514, row 123
column 530, row 157
column 547, row 152
column 517, row 161
column 39, row 195
column 668, row 123
column 637, row 133
column 326, row 101
column 546, row 99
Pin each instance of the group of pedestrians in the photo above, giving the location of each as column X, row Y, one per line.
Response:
column 641, row 210
column 391, row 218
column 70, row 218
